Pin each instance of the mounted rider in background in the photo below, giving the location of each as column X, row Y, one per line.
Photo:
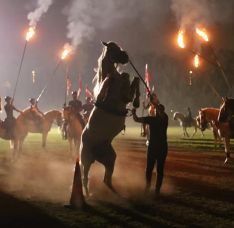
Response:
column 37, row 114
column 87, row 107
column 76, row 108
column 10, row 120
column 189, row 117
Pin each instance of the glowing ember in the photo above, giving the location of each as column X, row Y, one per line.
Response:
column 196, row 61
column 30, row 33
column 202, row 34
column 180, row 39
column 66, row 50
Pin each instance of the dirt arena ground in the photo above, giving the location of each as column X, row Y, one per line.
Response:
column 198, row 190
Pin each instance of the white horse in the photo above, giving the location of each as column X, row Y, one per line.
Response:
column 113, row 92
column 186, row 124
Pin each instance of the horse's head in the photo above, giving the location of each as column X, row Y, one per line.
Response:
column 66, row 113
column 59, row 119
column 203, row 123
column 111, row 55
column 175, row 116
column 115, row 53
column 226, row 110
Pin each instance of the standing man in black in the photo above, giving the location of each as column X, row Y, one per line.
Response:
column 157, row 149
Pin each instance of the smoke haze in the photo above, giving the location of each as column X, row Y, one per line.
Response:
column 42, row 7
column 145, row 29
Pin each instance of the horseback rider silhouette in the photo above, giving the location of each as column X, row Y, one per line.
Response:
column 37, row 114
column 87, row 107
column 76, row 108
column 9, row 121
column 189, row 117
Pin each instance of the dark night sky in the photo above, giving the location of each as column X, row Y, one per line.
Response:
column 146, row 29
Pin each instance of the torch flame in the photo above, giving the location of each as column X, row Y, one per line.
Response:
column 67, row 50
column 202, row 34
column 30, row 33
column 180, row 39
column 196, row 61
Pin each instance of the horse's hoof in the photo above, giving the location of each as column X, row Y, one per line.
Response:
column 73, row 207
column 226, row 161
column 87, row 193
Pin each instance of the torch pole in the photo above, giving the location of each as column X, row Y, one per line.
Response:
column 220, row 67
column 66, row 79
column 214, row 90
column 20, row 67
column 51, row 77
column 148, row 90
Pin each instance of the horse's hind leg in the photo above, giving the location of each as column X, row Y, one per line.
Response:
column 109, row 162
column 227, row 149
column 195, row 131
column 44, row 137
column 85, row 170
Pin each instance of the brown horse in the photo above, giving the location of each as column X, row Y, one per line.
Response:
column 208, row 118
column 74, row 129
column 210, row 115
column 4, row 135
column 25, row 123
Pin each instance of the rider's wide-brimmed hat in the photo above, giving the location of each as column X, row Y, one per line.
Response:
column 32, row 100
column 7, row 98
column 74, row 92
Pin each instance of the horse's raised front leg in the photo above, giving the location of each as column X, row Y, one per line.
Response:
column 227, row 148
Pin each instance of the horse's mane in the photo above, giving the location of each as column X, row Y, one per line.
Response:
column 209, row 109
column 51, row 111
column 98, row 76
column 26, row 110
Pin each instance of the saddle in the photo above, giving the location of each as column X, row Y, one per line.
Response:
column 81, row 119
column 188, row 121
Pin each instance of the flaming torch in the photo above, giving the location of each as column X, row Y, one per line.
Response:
column 30, row 33
column 202, row 33
column 196, row 61
column 67, row 49
column 180, row 39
